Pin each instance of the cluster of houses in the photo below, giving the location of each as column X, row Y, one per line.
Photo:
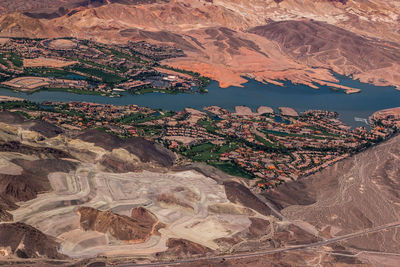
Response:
column 274, row 148
column 193, row 136
column 385, row 121
column 82, row 115
column 307, row 143
column 155, row 52
column 132, row 64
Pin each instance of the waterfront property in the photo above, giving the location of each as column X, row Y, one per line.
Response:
column 268, row 148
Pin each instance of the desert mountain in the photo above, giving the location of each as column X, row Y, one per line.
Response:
column 90, row 194
column 353, row 195
column 323, row 45
column 219, row 36
column 93, row 195
column 73, row 195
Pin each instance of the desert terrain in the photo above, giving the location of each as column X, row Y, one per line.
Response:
column 101, row 182
column 98, row 198
column 92, row 197
column 232, row 40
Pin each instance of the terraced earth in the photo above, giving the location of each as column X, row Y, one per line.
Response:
column 60, row 193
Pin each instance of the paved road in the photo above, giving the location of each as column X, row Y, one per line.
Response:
column 272, row 251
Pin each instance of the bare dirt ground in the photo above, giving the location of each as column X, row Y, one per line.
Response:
column 227, row 40
column 47, row 62
column 263, row 110
column 346, row 214
column 356, row 194
column 119, row 193
column 288, row 111
column 243, row 110
column 62, row 44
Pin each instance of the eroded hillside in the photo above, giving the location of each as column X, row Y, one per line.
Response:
column 232, row 53
column 90, row 195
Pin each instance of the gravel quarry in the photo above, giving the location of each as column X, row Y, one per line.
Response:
column 184, row 209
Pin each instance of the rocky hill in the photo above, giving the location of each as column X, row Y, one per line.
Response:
column 356, row 194
column 24, row 241
column 323, row 45
column 138, row 228
column 91, row 197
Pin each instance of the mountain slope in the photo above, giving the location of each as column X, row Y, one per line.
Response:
column 195, row 27
column 323, row 45
column 356, row 194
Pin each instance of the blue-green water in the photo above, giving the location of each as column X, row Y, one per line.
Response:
column 253, row 95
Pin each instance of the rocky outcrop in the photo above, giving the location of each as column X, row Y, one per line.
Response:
column 33, row 179
column 183, row 247
column 146, row 151
column 42, row 152
column 5, row 216
column 136, row 229
column 355, row 194
column 239, row 194
column 30, row 182
column 214, row 38
column 44, row 128
column 24, row 241
column 259, row 227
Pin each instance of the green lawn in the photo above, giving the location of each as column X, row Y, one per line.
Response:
column 206, row 156
column 203, row 152
column 48, row 72
column 227, row 147
column 76, row 91
column 150, row 130
column 263, row 141
column 202, row 147
column 208, row 125
column 19, row 104
column 232, row 169
column 140, row 118
column 3, row 61
column 209, row 152
column 94, row 64
column 105, row 76
column 16, row 60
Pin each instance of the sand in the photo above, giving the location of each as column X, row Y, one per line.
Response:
column 243, row 111
column 55, row 213
column 62, row 44
column 47, row 62
column 288, row 111
column 9, row 98
column 263, row 110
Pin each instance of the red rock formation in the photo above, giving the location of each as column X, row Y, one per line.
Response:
column 137, row 229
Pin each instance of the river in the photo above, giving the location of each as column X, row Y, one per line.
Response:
column 253, row 94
